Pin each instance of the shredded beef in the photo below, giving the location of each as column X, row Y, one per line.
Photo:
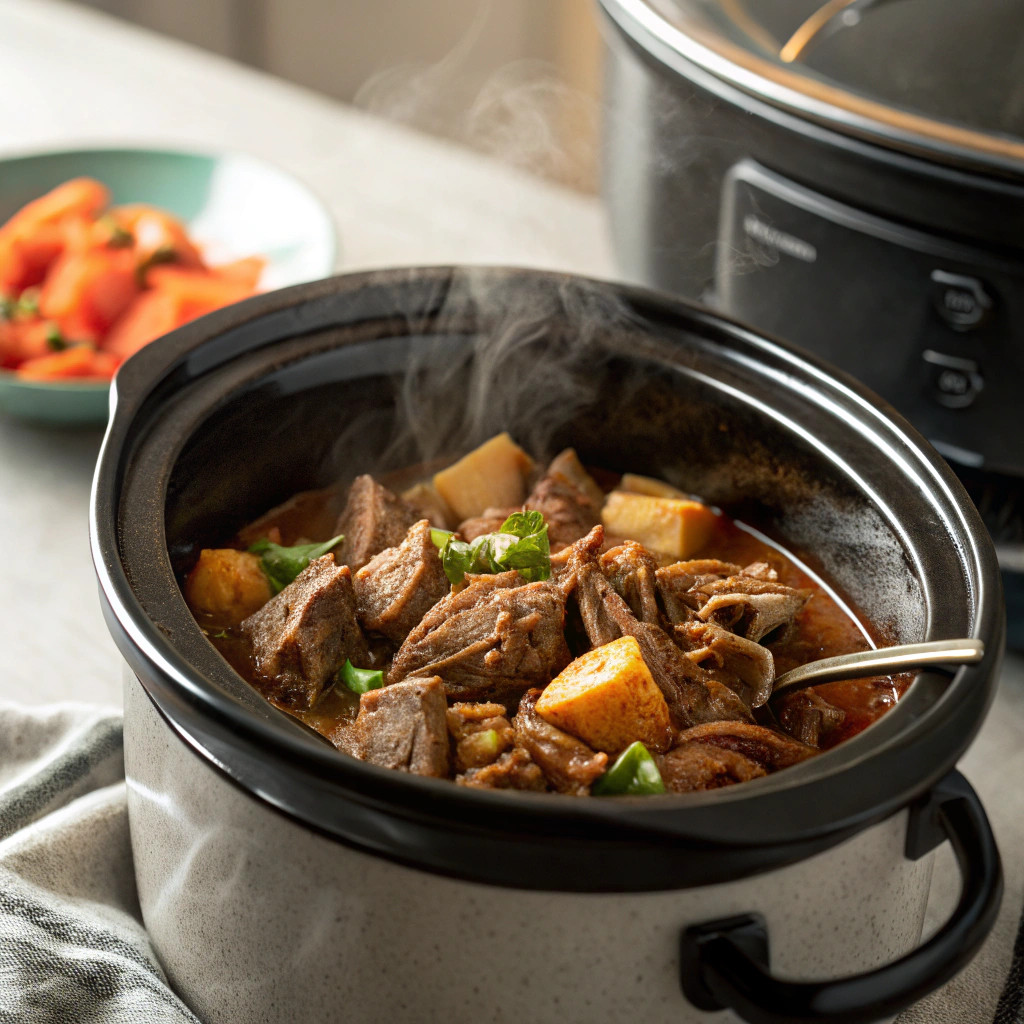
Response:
column 749, row 602
column 606, row 617
column 677, row 581
column 744, row 666
column 631, row 569
column 568, row 763
column 481, row 733
column 373, row 519
column 750, row 606
column 698, row 766
column 513, row 770
column 396, row 588
column 770, row 749
column 490, row 641
column 808, row 717
column 404, row 726
column 301, row 637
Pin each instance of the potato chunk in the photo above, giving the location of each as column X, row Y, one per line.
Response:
column 672, row 526
column 491, row 476
column 226, row 586
column 608, row 698
column 648, row 485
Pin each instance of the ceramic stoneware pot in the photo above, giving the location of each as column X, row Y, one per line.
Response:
column 282, row 881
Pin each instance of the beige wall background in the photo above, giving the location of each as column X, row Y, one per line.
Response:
column 518, row 79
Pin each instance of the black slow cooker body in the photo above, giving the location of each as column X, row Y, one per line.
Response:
column 300, row 388
column 903, row 267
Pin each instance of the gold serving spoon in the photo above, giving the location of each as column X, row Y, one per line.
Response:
column 884, row 661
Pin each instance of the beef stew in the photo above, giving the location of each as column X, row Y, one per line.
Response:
column 566, row 630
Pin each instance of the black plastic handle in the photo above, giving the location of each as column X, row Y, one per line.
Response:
column 725, row 963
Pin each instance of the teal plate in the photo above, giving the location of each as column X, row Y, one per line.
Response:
column 234, row 205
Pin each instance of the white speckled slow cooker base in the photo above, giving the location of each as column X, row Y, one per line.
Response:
column 258, row 920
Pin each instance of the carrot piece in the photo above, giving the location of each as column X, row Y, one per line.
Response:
column 23, row 339
column 84, row 197
column 158, row 235
column 87, row 291
column 152, row 314
column 76, row 361
column 198, row 291
column 246, row 272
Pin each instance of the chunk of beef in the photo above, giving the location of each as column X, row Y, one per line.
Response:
column 513, row 770
column 490, row 522
column 726, row 704
column 481, row 733
column 606, row 617
column 373, row 519
column 301, row 637
column 396, row 588
column 568, row 510
column 771, row 750
column 698, row 766
column 808, row 717
column 404, row 726
column 490, row 641
column 631, row 569
column 744, row 666
column 567, row 763
column 750, row 606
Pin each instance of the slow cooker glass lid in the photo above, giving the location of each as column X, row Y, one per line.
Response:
column 955, row 63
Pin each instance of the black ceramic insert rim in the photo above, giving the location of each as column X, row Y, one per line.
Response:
column 559, row 844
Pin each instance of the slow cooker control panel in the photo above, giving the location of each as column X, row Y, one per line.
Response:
column 928, row 323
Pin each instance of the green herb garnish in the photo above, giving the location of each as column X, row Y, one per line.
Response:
column 360, row 680
column 633, row 774
column 54, row 339
column 520, row 544
column 439, row 537
column 281, row 565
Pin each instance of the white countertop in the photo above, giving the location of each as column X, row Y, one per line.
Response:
column 70, row 77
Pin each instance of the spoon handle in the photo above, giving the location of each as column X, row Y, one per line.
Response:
column 883, row 661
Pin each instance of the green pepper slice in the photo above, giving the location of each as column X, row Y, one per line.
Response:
column 633, row 774
column 360, row 680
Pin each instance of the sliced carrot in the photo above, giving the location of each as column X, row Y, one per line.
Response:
column 198, row 291
column 245, row 272
column 152, row 314
column 84, row 197
column 77, row 361
column 23, row 339
column 157, row 234
column 87, row 291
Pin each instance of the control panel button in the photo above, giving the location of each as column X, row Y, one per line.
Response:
column 957, row 382
column 963, row 302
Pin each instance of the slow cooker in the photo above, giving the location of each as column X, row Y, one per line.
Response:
column 280, row 880
column 849, row 176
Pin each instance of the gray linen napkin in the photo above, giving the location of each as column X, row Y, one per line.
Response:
column 73, row 949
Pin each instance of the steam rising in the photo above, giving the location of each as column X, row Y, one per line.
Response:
column 521, row 369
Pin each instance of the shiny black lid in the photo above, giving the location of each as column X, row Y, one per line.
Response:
column 939, row 77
